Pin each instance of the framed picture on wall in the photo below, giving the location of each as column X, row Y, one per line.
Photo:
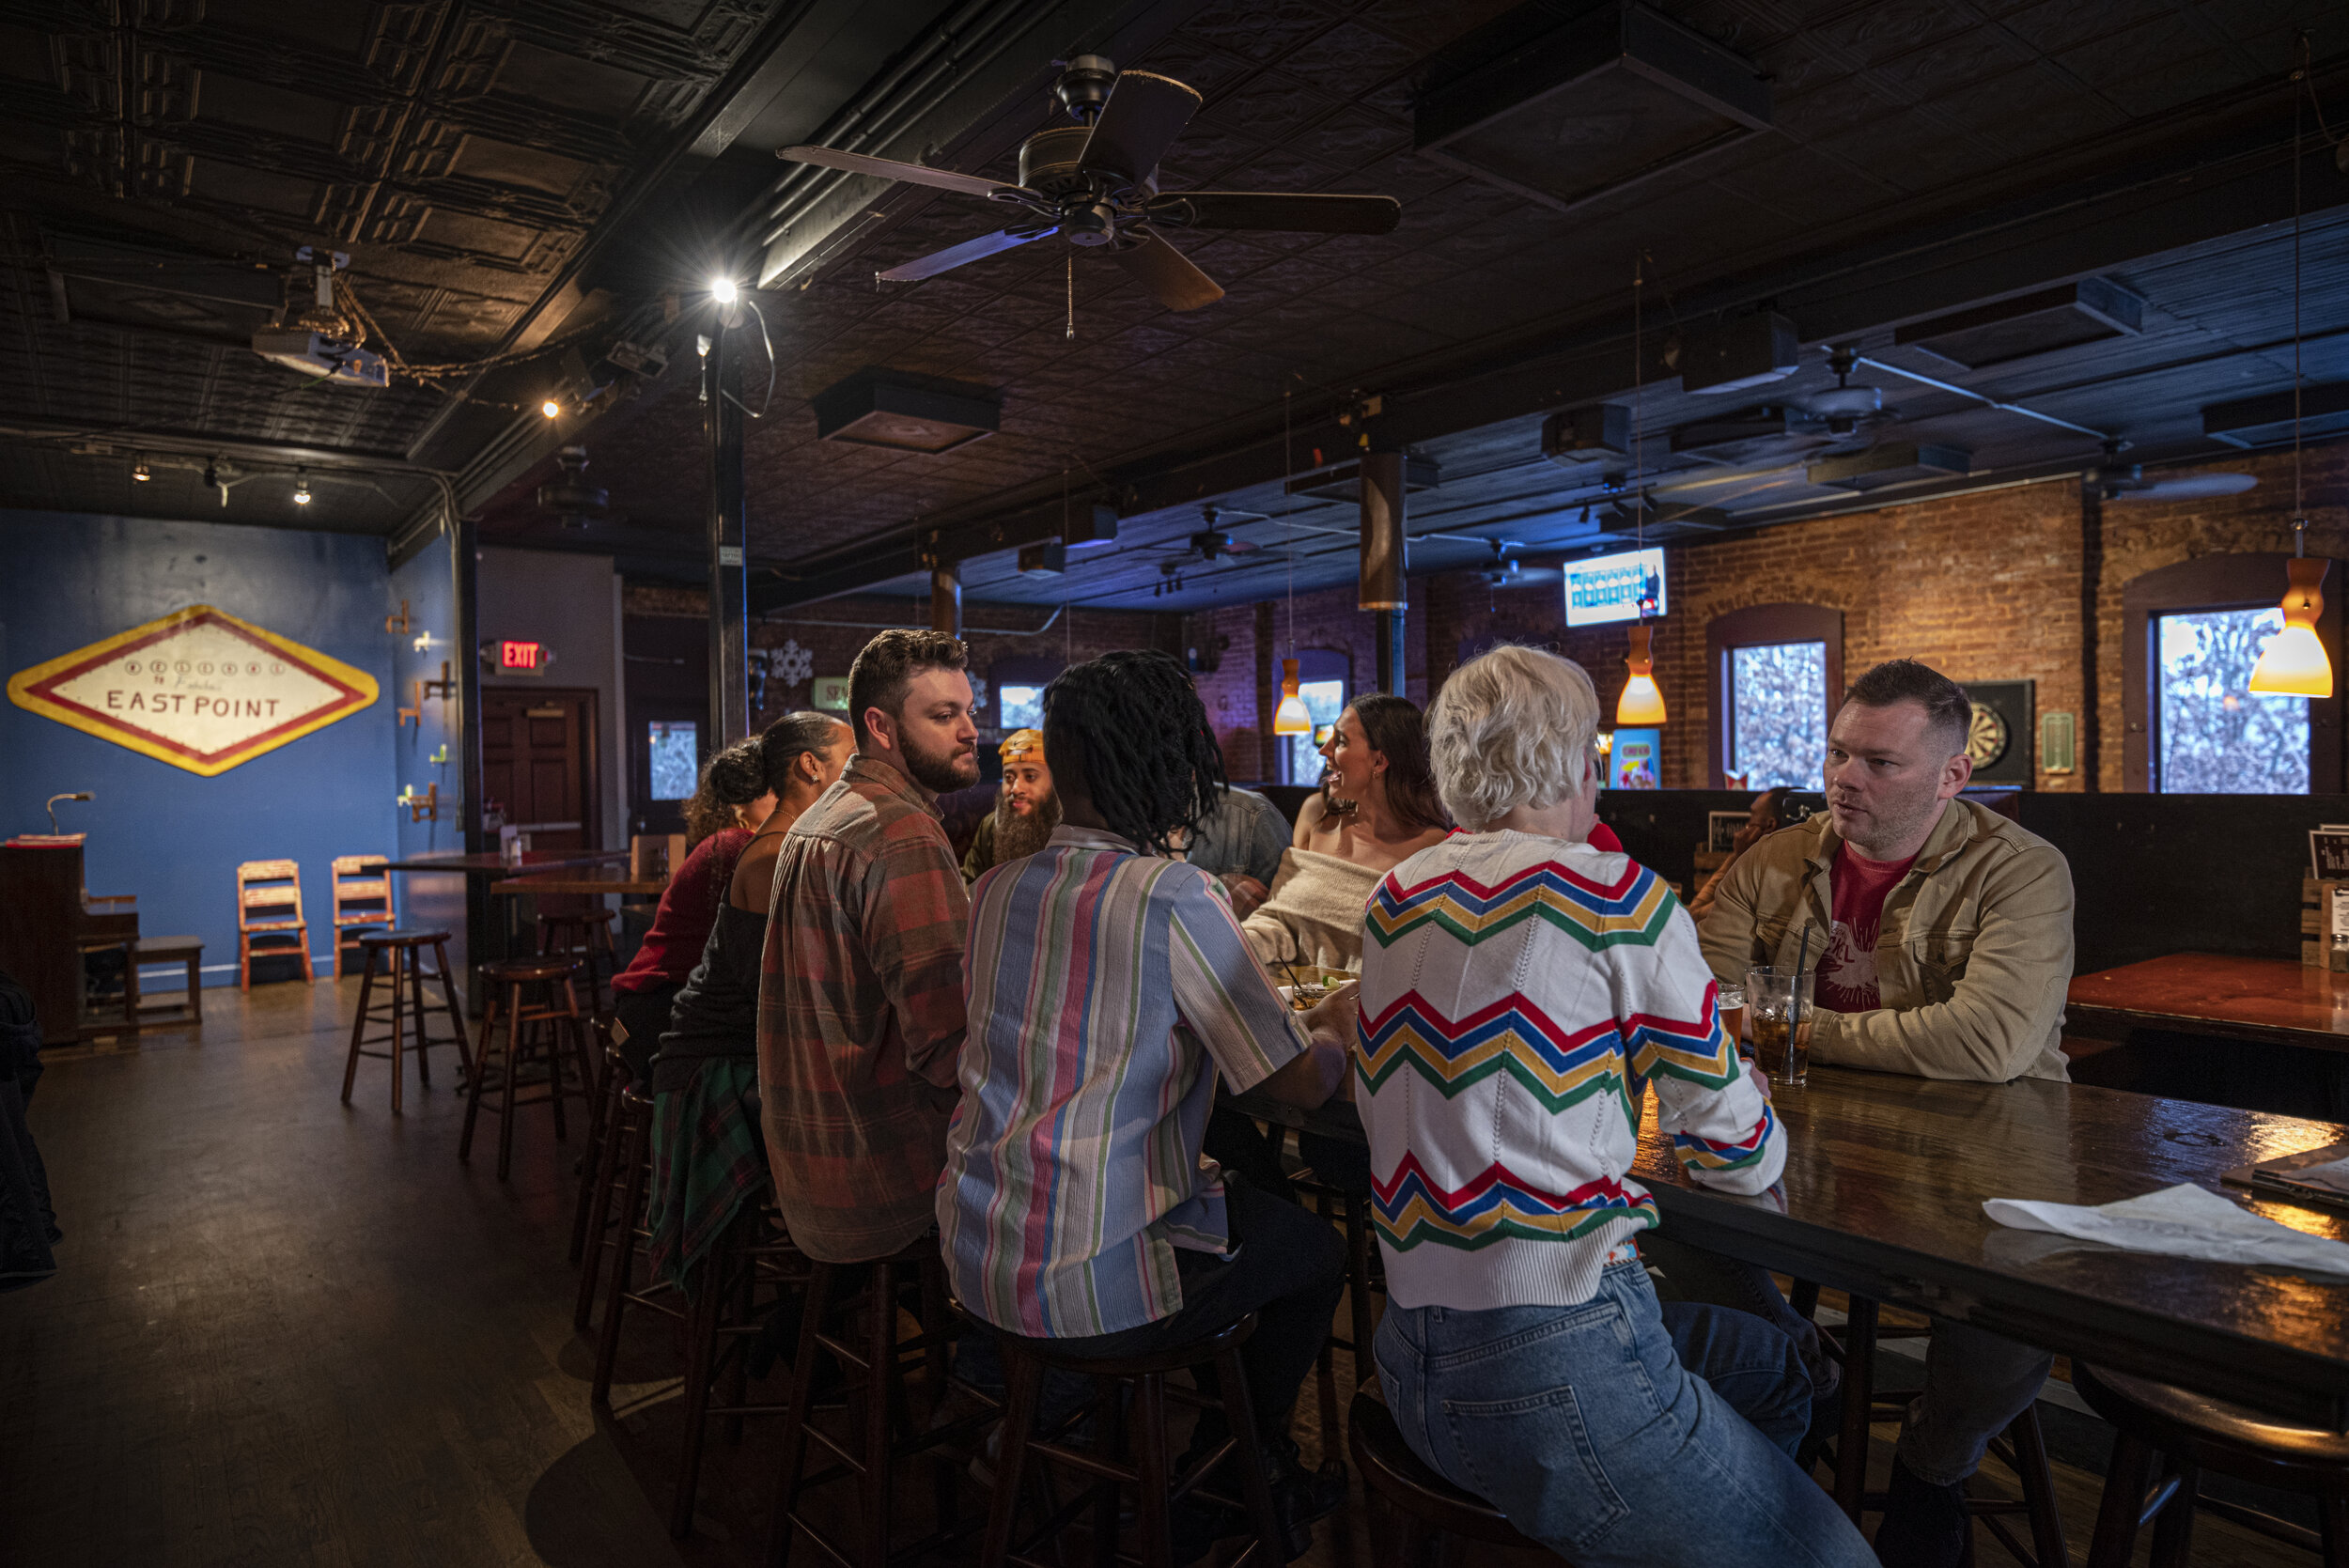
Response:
column 830, row 695
column 1635, row 762
column 1720, row 829
column 1999, row 741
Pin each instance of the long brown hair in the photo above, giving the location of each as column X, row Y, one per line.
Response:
column 1396, row 730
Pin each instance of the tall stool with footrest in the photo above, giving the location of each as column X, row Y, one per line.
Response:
column 1413, row 1508
column 2022, row 1448
column 584, row 937
column 1151, row 1473
column 399, row 954
column 2169, row 1436
column 548, row 1034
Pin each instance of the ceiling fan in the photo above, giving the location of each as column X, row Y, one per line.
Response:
column 1096, row 182
column 1505, row 571
column 2115, row 480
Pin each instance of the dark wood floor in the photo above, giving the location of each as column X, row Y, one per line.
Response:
column 285, row 1331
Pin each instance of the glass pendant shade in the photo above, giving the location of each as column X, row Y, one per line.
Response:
column 1291, row 717
column 1641, row 703
column 2294, row 663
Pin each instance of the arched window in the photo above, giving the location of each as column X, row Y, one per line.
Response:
column 1775, row 673
column 2191, row 632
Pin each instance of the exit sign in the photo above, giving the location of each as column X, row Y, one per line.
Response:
column 508, row 656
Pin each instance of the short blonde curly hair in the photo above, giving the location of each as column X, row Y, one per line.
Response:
column 1511, row 728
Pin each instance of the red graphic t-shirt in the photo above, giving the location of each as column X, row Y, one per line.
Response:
column 1848, row 974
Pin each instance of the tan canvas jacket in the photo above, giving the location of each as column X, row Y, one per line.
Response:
column 1972, row 960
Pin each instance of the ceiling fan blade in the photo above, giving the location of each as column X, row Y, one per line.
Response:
column 890, row 168
column 1297, row 213
column 1143, row 115
column 969, row 250
column 2191, row 486
column 1165, row 271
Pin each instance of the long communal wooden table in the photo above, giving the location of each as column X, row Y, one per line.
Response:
column 2274, row 1000
column 593, row 882
column 1885, row 1176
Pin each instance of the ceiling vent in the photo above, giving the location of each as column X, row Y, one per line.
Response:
column 905, row 414
column 2089, row 311
column 2267, row 421
column 1769, row 430
column 1345, row 483
column 1595, row 433
column 1892, row 463
column 1738, row 354
column 1564, row 113
column 1050, row 559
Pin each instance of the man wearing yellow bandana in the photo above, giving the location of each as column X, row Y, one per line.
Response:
column 1026, row 810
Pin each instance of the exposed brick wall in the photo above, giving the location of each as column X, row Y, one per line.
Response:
column 1983, row 587
column 1246, row 687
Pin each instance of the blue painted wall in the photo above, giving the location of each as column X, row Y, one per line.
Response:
column 169, row 836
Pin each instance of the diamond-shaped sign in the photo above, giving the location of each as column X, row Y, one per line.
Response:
column 199, row 689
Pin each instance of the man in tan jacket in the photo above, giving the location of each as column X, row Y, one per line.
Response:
column 1942, row 936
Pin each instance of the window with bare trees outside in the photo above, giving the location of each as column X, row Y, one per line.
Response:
column 1778, row 728
column 2216, row 737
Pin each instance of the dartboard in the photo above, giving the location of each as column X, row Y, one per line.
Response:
column 1987, row 736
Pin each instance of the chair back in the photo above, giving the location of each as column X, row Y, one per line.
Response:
column 269, row 895
column 362, row 891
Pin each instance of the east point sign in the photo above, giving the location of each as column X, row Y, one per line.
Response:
column 198, row 689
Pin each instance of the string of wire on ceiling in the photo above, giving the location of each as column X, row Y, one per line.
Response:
column 2294, row 662
column 1291, row 717
column 1641, row 702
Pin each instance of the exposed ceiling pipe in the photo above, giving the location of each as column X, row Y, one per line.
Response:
column 1979, row 397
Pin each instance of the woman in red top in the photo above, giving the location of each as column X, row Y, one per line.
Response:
column 730, row 805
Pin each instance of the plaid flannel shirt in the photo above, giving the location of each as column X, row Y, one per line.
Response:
column 861, row 1014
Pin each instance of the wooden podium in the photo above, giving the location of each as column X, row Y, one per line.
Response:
column 46, row 923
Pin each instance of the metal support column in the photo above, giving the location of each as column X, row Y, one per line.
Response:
column 947, row 598
column 729, row 576
column 1382, row 588
column 485, row 925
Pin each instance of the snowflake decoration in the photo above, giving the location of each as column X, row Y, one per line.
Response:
column 795, row 664
column 978, row 693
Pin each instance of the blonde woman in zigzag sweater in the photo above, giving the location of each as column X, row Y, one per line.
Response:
column 1517, row 986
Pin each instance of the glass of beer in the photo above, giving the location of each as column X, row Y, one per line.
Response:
column 1731, row 1005
column 1777, row 1008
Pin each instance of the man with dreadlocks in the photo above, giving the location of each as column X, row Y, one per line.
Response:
column 1108, row 983
column 1026, row 810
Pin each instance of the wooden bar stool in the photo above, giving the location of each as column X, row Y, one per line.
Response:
column 632, row 1140
column 548, row 1034
column 2178, row 1434
column 2021, row 1449
column 1363, row 1279
column 583, row 935
column 187, row 950
column 1412, row 1508
column 1151, row 1472
column 748, row 1274
column 399, row 956
column 599, row 1171
column 873, row 1383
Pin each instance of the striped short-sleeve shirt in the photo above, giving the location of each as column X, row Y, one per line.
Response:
column 1106, row 988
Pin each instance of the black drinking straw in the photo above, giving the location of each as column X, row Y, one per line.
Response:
column 1794, row 1009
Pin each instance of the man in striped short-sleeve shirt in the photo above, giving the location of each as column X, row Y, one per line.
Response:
column 1108, row 986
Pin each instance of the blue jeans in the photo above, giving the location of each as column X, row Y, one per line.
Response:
column 1584, row 1425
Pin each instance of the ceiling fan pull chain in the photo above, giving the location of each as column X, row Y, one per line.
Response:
column 1072, row 296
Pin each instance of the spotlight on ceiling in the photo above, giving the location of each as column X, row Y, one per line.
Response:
column 551, row 409
column 302, row 489
column 140, row 471
column 721, row 291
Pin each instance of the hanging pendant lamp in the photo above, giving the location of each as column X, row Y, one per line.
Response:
column 1292, row 717
column 2294, row 664
column 1641, row 703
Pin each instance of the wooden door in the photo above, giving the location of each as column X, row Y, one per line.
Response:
column 538, row 765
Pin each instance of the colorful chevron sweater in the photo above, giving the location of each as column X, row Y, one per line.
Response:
column 1519, row 994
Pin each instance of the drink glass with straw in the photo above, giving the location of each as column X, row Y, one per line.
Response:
column 1775, row 1002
